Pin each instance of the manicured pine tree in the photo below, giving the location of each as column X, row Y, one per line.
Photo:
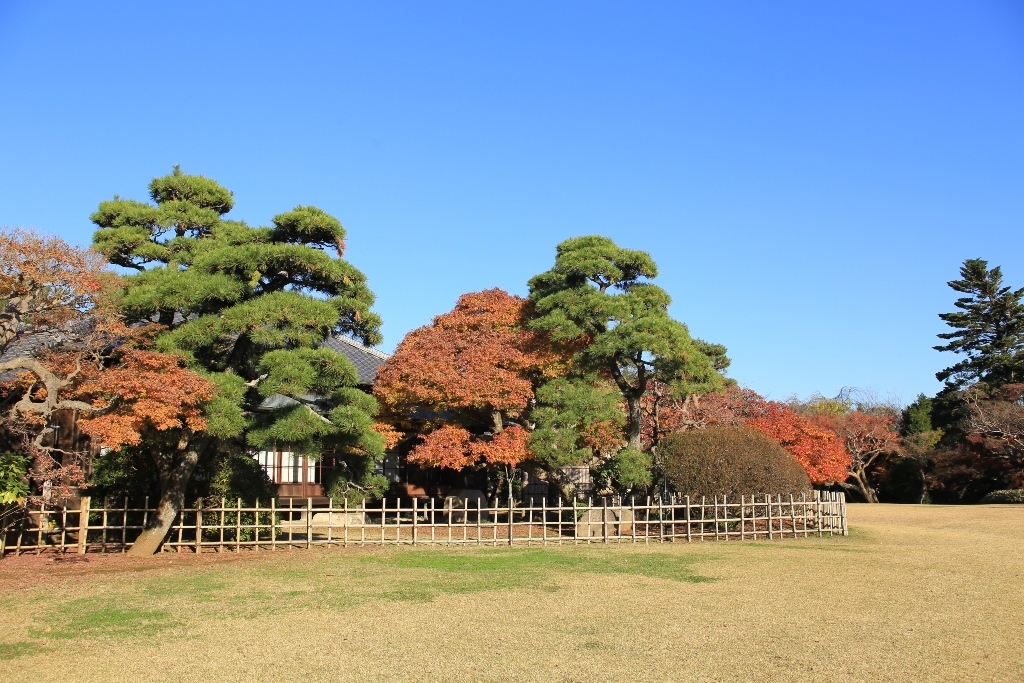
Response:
column 598, row 296
column 248, row 308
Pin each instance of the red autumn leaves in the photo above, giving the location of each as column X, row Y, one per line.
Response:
column 455, row 448
column 479, row 356
column 475, row 361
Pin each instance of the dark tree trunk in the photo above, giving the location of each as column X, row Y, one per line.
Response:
column 551, row 476
column 175, row 471
column 635, row 420
column 857, row 482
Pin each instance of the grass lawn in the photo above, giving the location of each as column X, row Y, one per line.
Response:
column 914, row 594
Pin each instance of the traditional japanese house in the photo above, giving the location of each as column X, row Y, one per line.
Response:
column 299, row 477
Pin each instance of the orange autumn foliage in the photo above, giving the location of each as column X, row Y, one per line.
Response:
column 455, row 448
column 479, row 356
column 45, row 282
column 153, row 392
column 391, row 435
column 819, row 450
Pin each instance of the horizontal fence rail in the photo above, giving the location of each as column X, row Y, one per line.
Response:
column 113, row 527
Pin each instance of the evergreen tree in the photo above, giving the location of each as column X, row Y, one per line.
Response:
column 248, row 308
column 988, row 329
column 597, row 297
column 917, row 417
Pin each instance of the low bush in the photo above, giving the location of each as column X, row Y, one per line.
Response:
column 1004, row 496
column 730, row 461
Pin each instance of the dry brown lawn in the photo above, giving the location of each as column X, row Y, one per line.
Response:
column 914, row 594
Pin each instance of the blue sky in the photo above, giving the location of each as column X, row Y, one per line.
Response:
column 806, row 175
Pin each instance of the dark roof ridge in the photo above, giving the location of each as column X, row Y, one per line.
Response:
column 362, row 347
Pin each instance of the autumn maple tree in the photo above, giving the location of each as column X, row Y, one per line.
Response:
column 462, row 386
column 868, row 435
column 67, row 351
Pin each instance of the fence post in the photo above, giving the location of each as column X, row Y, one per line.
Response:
column 199, row 526
column 291, row 522
column 415, row 528
column 817, row 510
column 83, row 525
column 688, row 537
column 743, row 519
column 256, row 526
column 661, row 520
column 145, row 514
column 716, row 517
column 510, row 527
column 273, row 523
column 842, row 507
column 309, row 522
column 604, row 519
column 330, row 520
column 39, row 528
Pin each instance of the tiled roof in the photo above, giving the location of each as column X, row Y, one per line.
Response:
column 29, row 346
column 366, row 359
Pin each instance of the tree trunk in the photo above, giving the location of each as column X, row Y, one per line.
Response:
column 551, row 476
column 861, row 487
column 175, row 472
column 635, row 421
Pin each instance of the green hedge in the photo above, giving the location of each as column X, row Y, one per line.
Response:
column 731, row 461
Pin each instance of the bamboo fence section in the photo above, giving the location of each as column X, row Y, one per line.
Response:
column 113, row 526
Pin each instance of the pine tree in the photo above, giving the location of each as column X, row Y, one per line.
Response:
column 598, row 297
column 248, row 308
column 988, row 329
column 917, row 417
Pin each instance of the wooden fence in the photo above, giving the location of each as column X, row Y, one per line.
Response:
column 113, row 528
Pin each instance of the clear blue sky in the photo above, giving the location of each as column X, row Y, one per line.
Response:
column 807, row 175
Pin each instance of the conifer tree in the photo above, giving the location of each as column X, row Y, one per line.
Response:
column 598, row 297
column 988, row 329
column 248, row 308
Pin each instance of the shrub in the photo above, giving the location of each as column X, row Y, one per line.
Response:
column 1004, row 496
column 732, row 461
column 13, row 478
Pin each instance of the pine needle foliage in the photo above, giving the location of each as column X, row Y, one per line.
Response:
column 248, row 308
column 988, row 329
column 599, row 298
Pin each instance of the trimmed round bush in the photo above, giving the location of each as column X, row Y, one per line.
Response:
column 1004, row 496
column 730, row 461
